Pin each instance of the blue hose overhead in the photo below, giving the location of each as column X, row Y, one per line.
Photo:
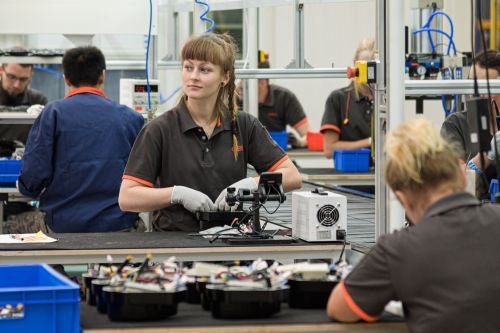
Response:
column 204, row 17
column 147, row 52
column 49, row 71
column 427, row 28
column 452, row 43
column 428, row 25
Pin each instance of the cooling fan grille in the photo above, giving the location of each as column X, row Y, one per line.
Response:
column 328, row 215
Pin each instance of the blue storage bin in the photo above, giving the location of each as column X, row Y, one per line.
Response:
column 352, row 160
column 281, row 138
column 50, row 302
column 9, row 172
column 493, row 189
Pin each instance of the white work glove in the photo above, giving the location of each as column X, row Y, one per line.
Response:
column 246, row 183
column 491, row 153
column 35, row 109
column 192, row 200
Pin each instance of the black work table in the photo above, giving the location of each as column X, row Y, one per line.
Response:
column 93, row 247
column 192, row 318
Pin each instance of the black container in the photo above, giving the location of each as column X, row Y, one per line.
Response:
column 128, row 305
column 87, row 288
column 237, row 303
column 206, row 302
column 192, row 294
column 309, row 294
column 97, row 285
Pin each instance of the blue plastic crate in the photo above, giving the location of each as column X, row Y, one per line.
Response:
column 9, row 172
column 50, row 302
column 352, row 160
column 493, row 189
column 281, row 138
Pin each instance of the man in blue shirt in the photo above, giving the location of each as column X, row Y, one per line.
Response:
column 77, row 150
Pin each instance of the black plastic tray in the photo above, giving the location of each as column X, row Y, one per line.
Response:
column 141, row 305
column 306, row 294
column 100, row 301
column 87, row 287
column 192, row 294
column 236, row 303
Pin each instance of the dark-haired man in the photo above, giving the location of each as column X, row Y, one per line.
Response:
column 279, row 107
column 77, row 151
column 15, row 91
column 456, row 127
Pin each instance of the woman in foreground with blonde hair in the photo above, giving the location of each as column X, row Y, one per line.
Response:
column 445, row 268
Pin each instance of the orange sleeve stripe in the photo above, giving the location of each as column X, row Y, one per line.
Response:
column 277, row 164
column 302, row 122
column 329, row 127
column 139, row 180
column 354, row 307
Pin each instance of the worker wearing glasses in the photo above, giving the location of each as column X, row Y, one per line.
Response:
column 15, row 91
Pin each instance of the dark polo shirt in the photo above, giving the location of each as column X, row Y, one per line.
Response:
column 281, row 108
column 28, row 98
column 445, row 270
column 174, row 150
column 455, row 129
column 341, row 104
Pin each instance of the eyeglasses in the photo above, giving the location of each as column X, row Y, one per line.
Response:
column 13, row 77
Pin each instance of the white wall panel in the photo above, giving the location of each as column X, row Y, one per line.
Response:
column 87, row 17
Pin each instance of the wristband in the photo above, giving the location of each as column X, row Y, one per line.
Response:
column 471, row 165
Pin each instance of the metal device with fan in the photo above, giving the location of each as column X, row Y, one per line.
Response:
column 319, row 216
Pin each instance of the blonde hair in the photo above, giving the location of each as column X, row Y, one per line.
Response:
column 420, row 160
column 218, row 49
column 367, row 44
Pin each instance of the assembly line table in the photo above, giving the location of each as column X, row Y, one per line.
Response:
column 192, row 318
column 81, row 248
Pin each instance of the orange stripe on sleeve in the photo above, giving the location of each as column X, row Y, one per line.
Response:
column 329, row 127
column 277, row 164
column 139, row 180
column 303, row 121
column 354, row 307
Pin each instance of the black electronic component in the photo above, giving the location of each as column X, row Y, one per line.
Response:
column 341, row 234
column 478, row 117
column 217, row 219
column 423, row 66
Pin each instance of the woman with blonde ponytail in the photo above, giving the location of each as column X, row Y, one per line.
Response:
column 346, row 122
column 445, row 268
column 183, row 161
